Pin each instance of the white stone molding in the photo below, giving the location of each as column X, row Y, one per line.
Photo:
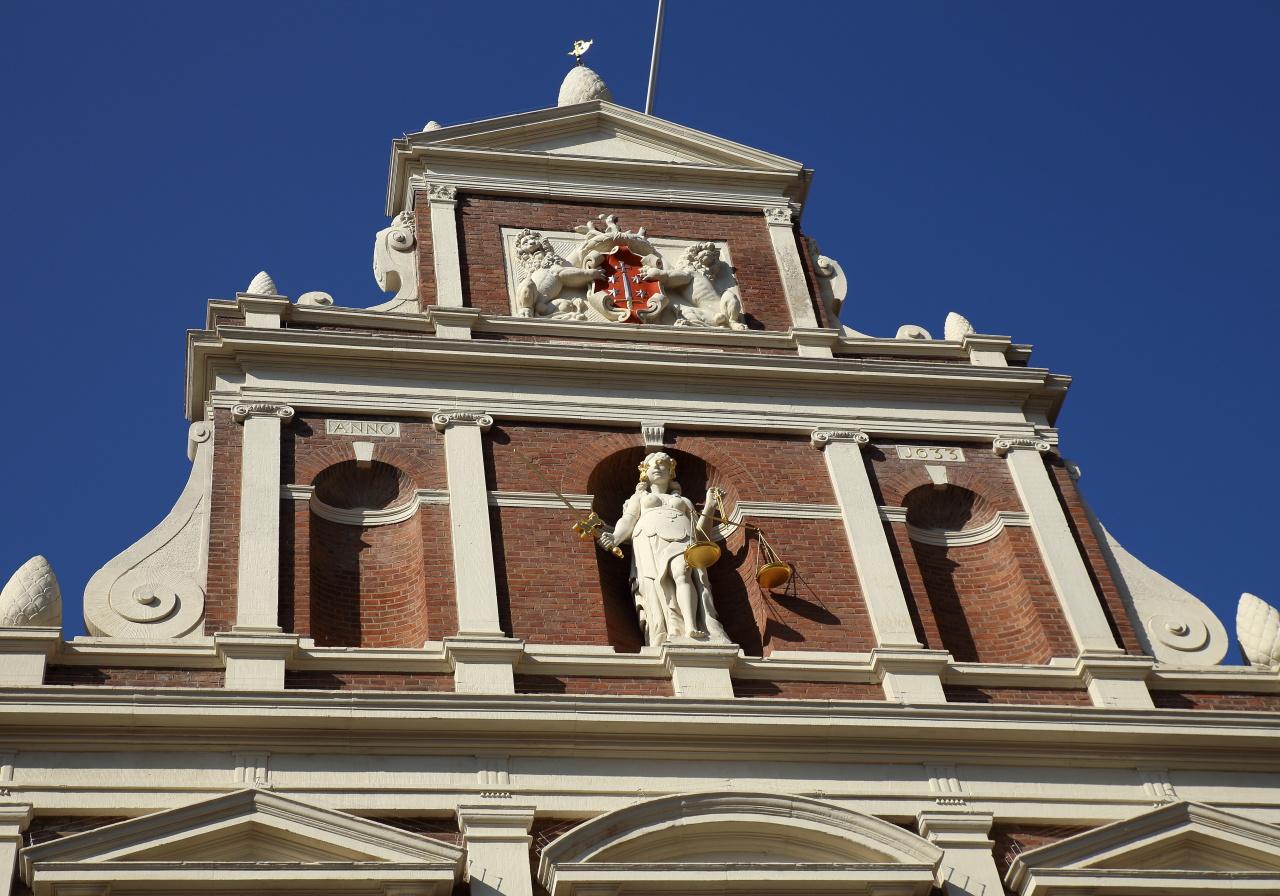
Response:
column 258, row 570
column 31, row 598
column 1080, row 603
column 1116, row 681
column 944, row 784
column 1258, row 630
column 454, row 323
column 475, row 584
column 256, row 660
column 365, row 517
column 700, row 669
column 493, row 774
column 1183, row 847
column 395, row 265
column 483, row 664
column 252, row 769
column 442, row 200
column 538, row 499
column 877, row 575
column 691, row 842
column 497, row 840
column 295, row 846
column 1157, row 786
column 24, row 652
column 653, row 432
column 14, row 818
column 968, row 868
column 815, row 343
column 987, row 351
column 957, row 537
column 911, row 676
column 787, row 254
column 265, row 312
column 155, row 588
column 1172, row 624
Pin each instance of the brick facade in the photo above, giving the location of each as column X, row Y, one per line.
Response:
column 324, row 680
column 807, row 690
column 133, row 677
column 1017, row 696
column 1238, row 702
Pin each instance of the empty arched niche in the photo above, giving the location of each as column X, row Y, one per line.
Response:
column 368, row 585
column 612, row 482
column 976, row 573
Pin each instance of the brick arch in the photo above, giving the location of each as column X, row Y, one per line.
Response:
column 320, row 459
column 577, row 474
column 896, row 486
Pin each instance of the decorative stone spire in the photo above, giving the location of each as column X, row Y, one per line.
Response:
column 262, row 285
column 581, row 85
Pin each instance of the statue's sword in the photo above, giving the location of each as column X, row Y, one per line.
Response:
column 586, row 527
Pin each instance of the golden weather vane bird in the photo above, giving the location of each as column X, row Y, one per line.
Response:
column 579, row 50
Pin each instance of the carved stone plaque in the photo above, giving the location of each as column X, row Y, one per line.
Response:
column 930, row 453
column 363, row 428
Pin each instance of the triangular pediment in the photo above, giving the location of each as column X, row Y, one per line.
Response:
column 601, row 130
column 279, row 838
column 1221, row 851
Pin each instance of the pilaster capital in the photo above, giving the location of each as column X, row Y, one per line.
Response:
column 698, row 654
column 481, row 648
column 821, row 438
column 780, row 215
column 438, row 192
column 508, row 824
column 242, row 412
column 956, row 829
column 442, row 420
column 1002, row 445
column 14, row 818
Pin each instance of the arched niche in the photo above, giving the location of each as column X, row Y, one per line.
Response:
column 741, row 843
column 612, row 482
column 365, row 558
column 975, row 583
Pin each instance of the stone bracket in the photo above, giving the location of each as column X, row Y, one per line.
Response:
column 483, row 664
column 700, row 670
column 255, row 660
column 911, row 676
column 24, row 652
column 1116, row 680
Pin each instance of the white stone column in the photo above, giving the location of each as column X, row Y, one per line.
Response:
column 908, row 673
column 497, row 842
column 258, row 576
column 968, row 867
column 877, row 574
column 783, row 237
column 483, row 657
column 14, row 818
column 442, row 199
column 1080, row 602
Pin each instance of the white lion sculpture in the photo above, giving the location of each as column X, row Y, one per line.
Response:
column 699, row 303
column 546, row 276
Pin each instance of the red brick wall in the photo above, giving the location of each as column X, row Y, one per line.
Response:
column 312, row 679
column 590, row 684
column 807, row 690
column 481, row 219
column 1011, row 840
column 554, row 589
column 1017, row 696
column 1099, row 572
column 426, row 256
column 1240, row 702
column 131, row 677
column 379, row 586
column 224, row 524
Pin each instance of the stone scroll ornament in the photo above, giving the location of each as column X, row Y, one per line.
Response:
column 154, row 589
column 619, row 276
column 395, row 265
column 673, row 599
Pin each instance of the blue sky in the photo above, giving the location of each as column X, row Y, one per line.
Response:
column 1096, row 178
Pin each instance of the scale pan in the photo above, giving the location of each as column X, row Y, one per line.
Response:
column 701, row 554
column 773, row 575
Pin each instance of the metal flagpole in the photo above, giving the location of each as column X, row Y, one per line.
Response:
column 653, row 63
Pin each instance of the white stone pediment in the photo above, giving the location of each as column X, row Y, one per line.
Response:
column 1180, row 848
column 275, row 842
column 738, row 843
column 603, row 130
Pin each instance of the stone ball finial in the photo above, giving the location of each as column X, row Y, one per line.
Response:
column 262, row 285
column 431, row 125
column 31, row 597
column 582, row 85
column 957, row 327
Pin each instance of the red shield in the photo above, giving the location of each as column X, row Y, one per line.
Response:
column 624, row 293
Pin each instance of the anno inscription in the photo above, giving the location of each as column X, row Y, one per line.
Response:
column 362, row 428
column 930, row 452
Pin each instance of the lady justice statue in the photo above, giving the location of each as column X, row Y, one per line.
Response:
column 673, row 599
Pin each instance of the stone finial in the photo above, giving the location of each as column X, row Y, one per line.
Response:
column 431, row 125
column 320, row 299
column 912, row 331
column 957, row 327
column 1258, row 630
column 31, row 598
column 582, row 85
column 262, row 285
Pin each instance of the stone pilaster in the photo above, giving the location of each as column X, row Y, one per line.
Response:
column 258, row 578
column 497, row 842
column 442, row 199
column 14, row 818
column 24, row 652
column 968, row 866
column 779, row 220
column 700, row 670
